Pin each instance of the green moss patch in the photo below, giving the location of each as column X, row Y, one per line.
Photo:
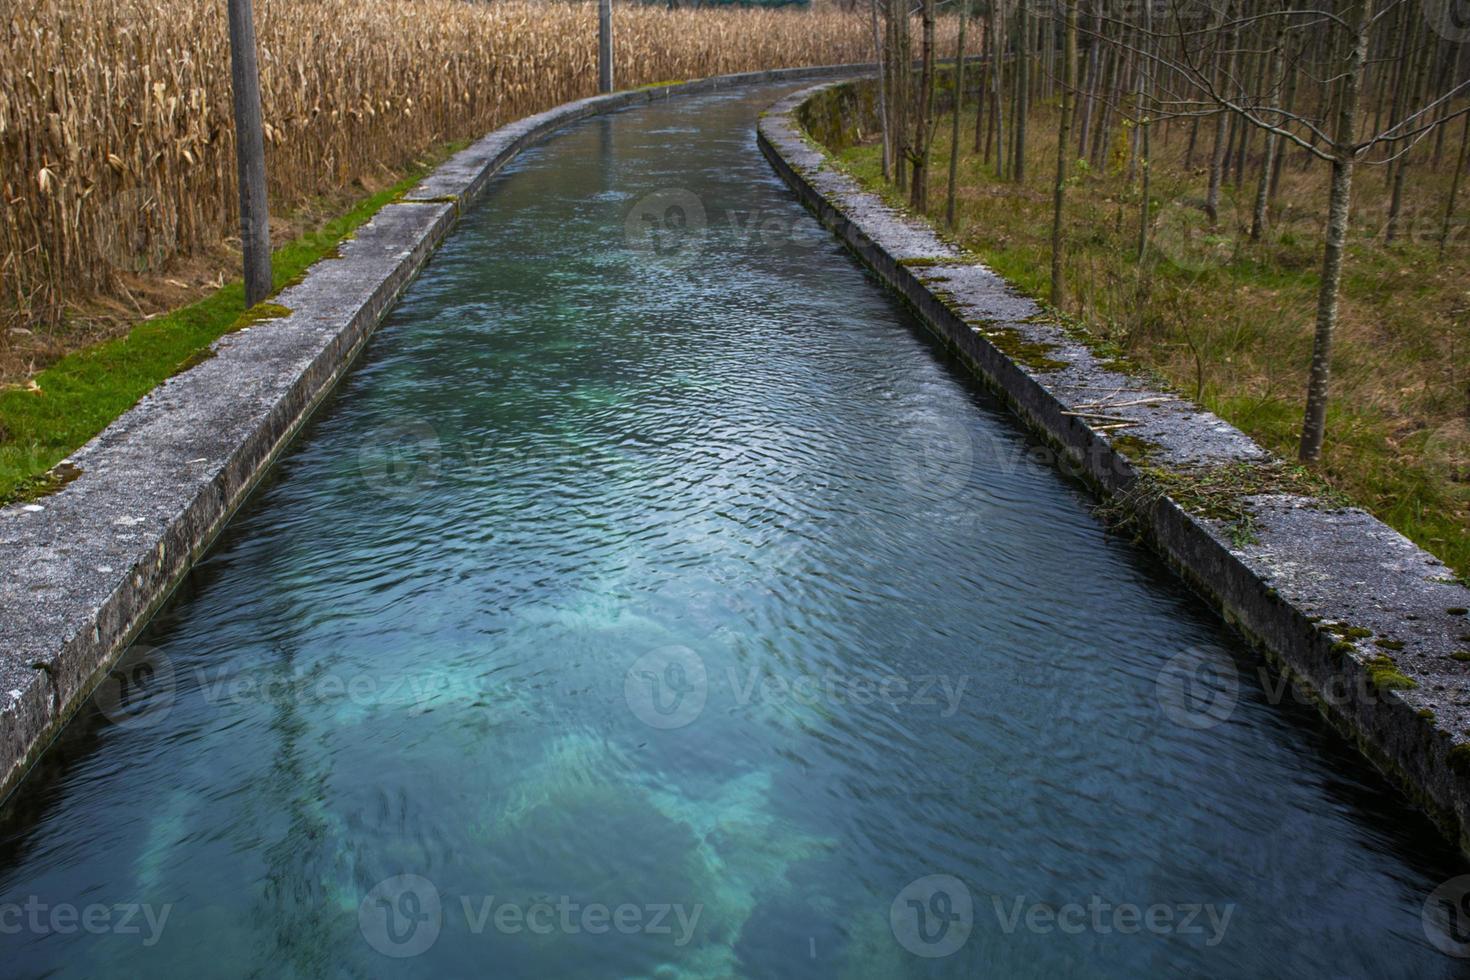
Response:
column 1034, row 354
column 1385, row 675
column 42, row 484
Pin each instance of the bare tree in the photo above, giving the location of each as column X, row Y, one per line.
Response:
column 1205, row 64
column 919, row 190
column 878, row 55
column 1064, row 152
column 959, row 110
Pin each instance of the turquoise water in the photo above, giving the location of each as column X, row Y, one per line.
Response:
column 654, row 600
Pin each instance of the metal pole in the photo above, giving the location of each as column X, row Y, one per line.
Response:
column 604, row 46
column 255, row 238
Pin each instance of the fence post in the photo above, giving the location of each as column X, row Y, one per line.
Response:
column 255, row 236
column 604, row 46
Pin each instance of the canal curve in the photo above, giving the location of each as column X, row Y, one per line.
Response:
column 656, row 599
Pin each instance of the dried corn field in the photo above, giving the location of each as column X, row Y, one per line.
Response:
column 116, row 148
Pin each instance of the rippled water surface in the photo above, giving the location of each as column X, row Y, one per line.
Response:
column 655, row 600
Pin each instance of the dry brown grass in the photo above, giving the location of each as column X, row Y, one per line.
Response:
column 1229, row 321
column 116, row 144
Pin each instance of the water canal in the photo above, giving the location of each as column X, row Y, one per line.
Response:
column 656, row 600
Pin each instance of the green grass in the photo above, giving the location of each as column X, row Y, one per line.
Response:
column 84, row 391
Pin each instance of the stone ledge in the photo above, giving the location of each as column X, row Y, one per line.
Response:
column 85, row 568
column 1325, row 591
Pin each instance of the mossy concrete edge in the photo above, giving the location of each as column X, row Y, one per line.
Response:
column 1311, row 582
column 86, row 567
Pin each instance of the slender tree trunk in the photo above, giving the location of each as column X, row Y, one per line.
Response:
column 1289, row 104
column 919, row 191
column 1145, row 125
column 1023, row 90
column 1089, row 84
column 1247, row 130
column 981, row 117
column 900, row 61
column 882, row 93
column 1103, row 129
column 1401, row 66
column 1416, row 82
column 1268, row 166
column 1339, row 211
column 1223, row 77
column 1064, row 149
column 604, row 46
column 255, row 231
column 998, row 56
column 959, row 106
column 1449, row 209
column 1449, row 70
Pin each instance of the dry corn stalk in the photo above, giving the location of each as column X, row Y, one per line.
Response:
column 116, row 151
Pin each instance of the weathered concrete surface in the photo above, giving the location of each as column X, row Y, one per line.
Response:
column 86, row 567
column 1325, row 591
